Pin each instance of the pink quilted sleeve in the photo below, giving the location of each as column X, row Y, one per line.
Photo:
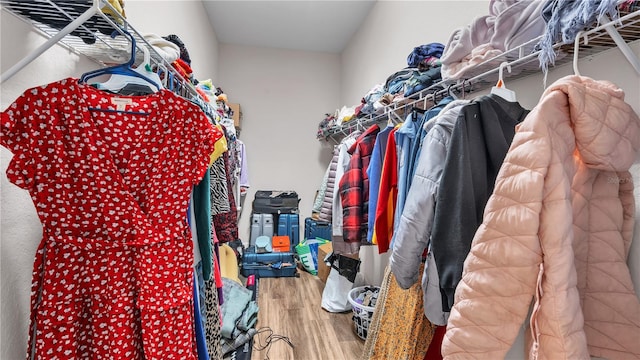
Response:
column 500, row 272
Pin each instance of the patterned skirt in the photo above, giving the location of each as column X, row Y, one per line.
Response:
column 399, row 329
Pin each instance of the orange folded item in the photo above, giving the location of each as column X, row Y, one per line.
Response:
column 281, row 243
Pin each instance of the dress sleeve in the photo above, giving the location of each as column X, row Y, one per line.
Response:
column 20, row 129
column 205, row 136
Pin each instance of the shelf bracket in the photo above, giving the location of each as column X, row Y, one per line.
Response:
column 50, row 42
column 622, row 45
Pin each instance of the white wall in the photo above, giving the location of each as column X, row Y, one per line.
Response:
column 382, row 44
column 185, row 18
column 283, row 95
column 20, row 229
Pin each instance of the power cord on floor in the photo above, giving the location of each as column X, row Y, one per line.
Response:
column 271, row 338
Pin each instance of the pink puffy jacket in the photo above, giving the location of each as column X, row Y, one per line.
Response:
column 556, row 232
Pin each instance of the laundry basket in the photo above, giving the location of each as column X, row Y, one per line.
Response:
column 362, row 314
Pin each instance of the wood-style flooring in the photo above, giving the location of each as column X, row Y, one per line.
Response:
column 291, row 307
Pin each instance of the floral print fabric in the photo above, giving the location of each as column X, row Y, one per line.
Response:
column 110, row 176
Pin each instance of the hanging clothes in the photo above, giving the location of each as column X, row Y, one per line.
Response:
column 343, row 161
column 219, row 192
column 202, row 212
column 112, row 197
column 557, row 231
column 226, row 224
column 387, row 196
column 319, row 199
column 374, row 172
column 414, row 229
column 354, row 192
column 326, row 213
column 424, row 126
column 405, row 137
column 213, row 300
column 398, row 329
column 479, row 142
column 243, row 178
column 411, row 137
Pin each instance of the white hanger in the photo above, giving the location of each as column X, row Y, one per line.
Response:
column 118, row 82
column 500, row 89
column 576, row 49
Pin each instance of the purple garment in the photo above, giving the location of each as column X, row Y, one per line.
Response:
column 244, row 167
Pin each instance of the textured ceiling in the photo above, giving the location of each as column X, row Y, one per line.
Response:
column 309, row 25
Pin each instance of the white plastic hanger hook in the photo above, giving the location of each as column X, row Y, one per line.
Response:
column 501, row 72
column 147, row 57
column 576, row 50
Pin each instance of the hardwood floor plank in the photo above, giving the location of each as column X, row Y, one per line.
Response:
column 291, row 307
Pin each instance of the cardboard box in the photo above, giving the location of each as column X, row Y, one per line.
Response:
column 237, row 114
column 323, row 269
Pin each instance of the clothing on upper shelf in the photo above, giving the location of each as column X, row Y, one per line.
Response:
column 479, row 142
column 509, row 24
column 421, row 55
column 46, row 14
column 112, row 217
column 557, row 230
column 421, row 79
column 413, row 232
column 565, row 18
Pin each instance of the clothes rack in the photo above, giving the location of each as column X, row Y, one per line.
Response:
column 524, row 62
column 104, row 51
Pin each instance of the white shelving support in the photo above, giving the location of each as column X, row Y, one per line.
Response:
column 93, row 10
column 622, row 45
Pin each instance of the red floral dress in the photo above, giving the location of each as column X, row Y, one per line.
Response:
column 113, row 274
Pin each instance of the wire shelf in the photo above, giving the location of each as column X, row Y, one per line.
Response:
column 523, row 60
column 93, row 28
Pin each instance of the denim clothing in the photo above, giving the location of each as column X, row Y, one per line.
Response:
column 405, row 137
column 422, row 52
column 374, row 171
column 201, row 342
column 565, row 18
column 421, row 80
column 423, row 127
column 414, row 230
column 395, row 83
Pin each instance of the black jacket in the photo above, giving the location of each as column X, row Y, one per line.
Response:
column 479, row 142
